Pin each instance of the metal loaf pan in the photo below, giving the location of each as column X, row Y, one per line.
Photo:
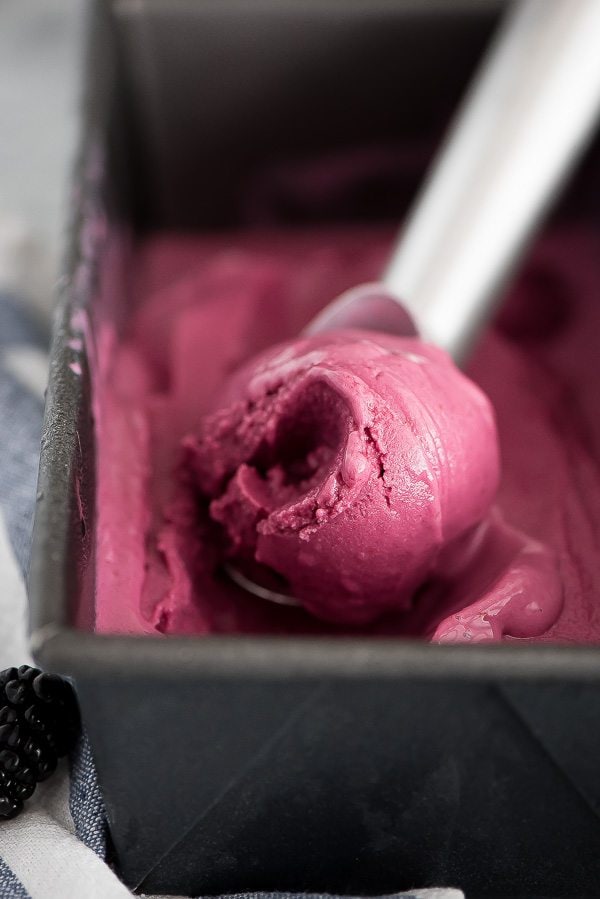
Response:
column 232, row 764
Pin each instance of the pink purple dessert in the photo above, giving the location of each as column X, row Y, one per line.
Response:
column 360, row 467
column 346, row 463
column 362, row 470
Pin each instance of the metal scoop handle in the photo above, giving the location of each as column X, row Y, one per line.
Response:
column 522, row 126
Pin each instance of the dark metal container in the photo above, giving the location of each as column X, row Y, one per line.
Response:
column 230, row 764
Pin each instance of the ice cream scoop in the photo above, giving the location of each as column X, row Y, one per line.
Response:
column 354, row 465
column 355, row 472
column 399, row 476
column 523, row 124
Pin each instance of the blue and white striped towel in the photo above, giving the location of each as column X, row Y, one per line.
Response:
column 56, row 848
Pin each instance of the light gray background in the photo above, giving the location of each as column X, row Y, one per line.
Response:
column 39, row 95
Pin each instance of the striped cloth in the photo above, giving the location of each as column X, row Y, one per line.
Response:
column 56, row 848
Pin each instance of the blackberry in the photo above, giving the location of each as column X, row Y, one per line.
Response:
column 39, row 722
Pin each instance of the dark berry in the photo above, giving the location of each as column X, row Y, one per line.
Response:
column 39, row 722
column 27, row 674
column 7, row 715
column 9, row 734
column 45, row 767
column 17, row 788
column 49, row 688
column 7, row 675
column 26, row 776
column 9, row 760
column 20, row 790
column 34, row 719
column 9, row 805
column 17, row 692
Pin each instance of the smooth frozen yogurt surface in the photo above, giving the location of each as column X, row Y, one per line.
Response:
column 361, row 469
column 358, row 467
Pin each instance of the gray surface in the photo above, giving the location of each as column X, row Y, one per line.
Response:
column 39, row 86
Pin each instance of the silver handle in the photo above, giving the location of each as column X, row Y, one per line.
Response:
column 521, row 128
